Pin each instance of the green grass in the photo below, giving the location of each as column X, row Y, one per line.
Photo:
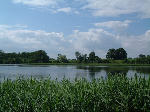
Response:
column 115, row 94
column 90, row 64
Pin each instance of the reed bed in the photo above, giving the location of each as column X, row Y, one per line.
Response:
column 114, row 94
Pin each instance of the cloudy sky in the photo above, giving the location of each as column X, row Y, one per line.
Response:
column 66, row 26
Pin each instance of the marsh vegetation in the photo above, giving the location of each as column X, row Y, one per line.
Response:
column 116, row 93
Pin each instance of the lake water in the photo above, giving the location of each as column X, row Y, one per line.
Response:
column 70, row 71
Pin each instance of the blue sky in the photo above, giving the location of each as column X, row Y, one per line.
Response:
column 66, row 26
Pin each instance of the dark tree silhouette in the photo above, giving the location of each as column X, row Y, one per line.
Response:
column 116, row 54
column 92, row 57
column 111, row 54
column 25, row 57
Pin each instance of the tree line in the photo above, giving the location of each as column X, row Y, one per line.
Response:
column 40, row 56
column 24, row 57
column 141, row 59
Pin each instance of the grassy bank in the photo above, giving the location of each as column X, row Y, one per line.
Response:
column 90, row 64
column 114, row 94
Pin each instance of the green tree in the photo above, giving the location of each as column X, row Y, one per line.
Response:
column 39, row 56
column 77, row 54
column 79, row 57
column 98, row 60
column 92, row 57
column 116, row 54
column 148, row 59
column 1, row 56
column 111, row 54
column 84, row 58
column 142, row 56
column 120, row 54
column 62, row 58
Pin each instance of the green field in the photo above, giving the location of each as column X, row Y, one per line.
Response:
column 115, row 94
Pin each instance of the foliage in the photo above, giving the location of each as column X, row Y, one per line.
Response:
column 111, row 54
column 62, row 58
column 92, row 57
column 82, row 58
column 24, row 57
column 116, row 54
column 142, row 59
column 114, row 94
column 79, row 57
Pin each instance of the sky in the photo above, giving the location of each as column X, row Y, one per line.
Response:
column 67, row 26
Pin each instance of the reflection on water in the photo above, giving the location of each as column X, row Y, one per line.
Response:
column 109, row 70
column 104, row 71
column 70, row 72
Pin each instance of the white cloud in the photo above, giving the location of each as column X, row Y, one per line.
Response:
column 54, row 6
column 97, row 39
column 18, row 26
column 136, row 45
column 37, row 2
column 66, row 10
column 12, row 39
column 109, row 8
column 100, row 41
column 113, row 8
column 115, row 25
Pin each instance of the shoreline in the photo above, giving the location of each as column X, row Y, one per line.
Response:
column 89, row 64
column 77, row 64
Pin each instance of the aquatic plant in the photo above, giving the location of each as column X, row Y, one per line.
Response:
column 116, row 93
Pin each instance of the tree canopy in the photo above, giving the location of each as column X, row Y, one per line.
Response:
column 113, row 56
column 39, row 56
column 116, row 54
column 62, row 58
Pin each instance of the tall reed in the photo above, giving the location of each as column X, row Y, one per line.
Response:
column 114, row 94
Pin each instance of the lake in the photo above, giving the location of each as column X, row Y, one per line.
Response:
column 69, row 71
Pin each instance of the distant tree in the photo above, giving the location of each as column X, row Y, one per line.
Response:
column 84, row 58
column 148, row 59
column 105, row 61
column 120, row 54
column 62, row 58
column 1, row 56
column 52, row 60
column 92, row 57
column 142, row 56
column 1, row 51
column 77, row 54
column 98, row 60
column 116, row 54
column 42, row 56
column 111, row 54
column 39, row 56
column 79, row 57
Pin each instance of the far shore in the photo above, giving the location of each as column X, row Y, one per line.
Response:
column 83, row 64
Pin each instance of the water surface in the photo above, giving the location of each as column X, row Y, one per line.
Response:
column 69, row 71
